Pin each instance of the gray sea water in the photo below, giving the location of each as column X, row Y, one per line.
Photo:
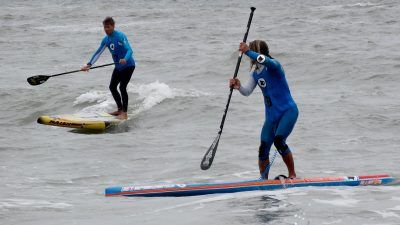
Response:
column 342, row 62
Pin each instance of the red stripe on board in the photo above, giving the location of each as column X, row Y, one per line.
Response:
column 374, row 176
column 232, row 185
column 244, row 184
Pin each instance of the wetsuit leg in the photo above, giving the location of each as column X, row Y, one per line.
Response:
column 115, row 80
column 285, row 127
column 126, row 75
column 267, row 139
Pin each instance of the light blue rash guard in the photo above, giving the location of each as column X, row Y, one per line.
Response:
column 270, row 77
column 119, row 47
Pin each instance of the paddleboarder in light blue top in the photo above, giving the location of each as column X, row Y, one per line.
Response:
column 121, row 51
column 280, row 109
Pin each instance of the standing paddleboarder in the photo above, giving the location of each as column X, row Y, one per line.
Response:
column 121, row 52
column 280, row 109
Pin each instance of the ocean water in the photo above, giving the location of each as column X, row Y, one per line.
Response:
column 342, row 63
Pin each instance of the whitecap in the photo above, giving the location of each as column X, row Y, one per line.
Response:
column 91, row 97
column 338, row 202
column 386, row 214
column 156, row 92
column 362, row 4
column 149, row 96
column 32, row 204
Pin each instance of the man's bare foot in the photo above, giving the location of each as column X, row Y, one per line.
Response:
column 123, row 116
column 116, row 113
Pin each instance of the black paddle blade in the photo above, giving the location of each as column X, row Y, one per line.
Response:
column 210, row 154
column 36, row 80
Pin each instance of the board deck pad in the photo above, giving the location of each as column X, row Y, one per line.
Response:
column 90, row 121
column 176, row 190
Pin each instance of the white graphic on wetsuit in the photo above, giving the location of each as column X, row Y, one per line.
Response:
column 113, row 43
column 261, row 58
column 262, row 82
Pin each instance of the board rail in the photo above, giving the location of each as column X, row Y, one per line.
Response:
column 176, row 190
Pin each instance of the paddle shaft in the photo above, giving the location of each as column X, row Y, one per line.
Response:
column 75, row 71
column 221, row 126
column 210, row 154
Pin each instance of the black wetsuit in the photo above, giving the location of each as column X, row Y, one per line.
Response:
column 122, row 78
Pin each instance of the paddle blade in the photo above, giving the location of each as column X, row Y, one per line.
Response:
column 210, row 154
column 36, row 80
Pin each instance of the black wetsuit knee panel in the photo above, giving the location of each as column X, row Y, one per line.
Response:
column 280, row 145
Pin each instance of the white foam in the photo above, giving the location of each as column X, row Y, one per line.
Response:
column 156, row 92
column 363, row 4
column 104, row 102
column 32, row 203
column 273, row 208
column 340, row 7
column 396, row 208
column 386, row 214
column 91, row 97
column 70, row 28
column 149, row 96
column 338, row 202
column 331, row 7
column 216, row 198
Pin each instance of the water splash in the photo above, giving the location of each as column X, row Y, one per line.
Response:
column 148, row 95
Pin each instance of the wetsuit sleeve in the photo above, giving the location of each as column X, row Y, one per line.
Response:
column 128, row 47
column 262, row 59
column 97, row 54
column 248, row 88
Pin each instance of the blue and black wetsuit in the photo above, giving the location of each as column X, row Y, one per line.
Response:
column 280, row 109
column 119, row 47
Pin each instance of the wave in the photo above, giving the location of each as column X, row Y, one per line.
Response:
column 362, row 4
column 356, row 5
column 88, row 28
column 148, row 96
column 32, row 204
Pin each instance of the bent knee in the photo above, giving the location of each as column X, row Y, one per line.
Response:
column 122, row 88
column 281, row 146
column 112, row 88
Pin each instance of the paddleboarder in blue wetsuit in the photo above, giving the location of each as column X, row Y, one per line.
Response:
column 121, row 51
column 280, row 109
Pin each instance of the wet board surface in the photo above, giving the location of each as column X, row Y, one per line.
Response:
column 90, row 121
column 176, row 190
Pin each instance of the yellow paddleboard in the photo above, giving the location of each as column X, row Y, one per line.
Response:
column 89, row 121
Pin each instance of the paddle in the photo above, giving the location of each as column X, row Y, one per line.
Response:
column 40, row 79
column 210, row 154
